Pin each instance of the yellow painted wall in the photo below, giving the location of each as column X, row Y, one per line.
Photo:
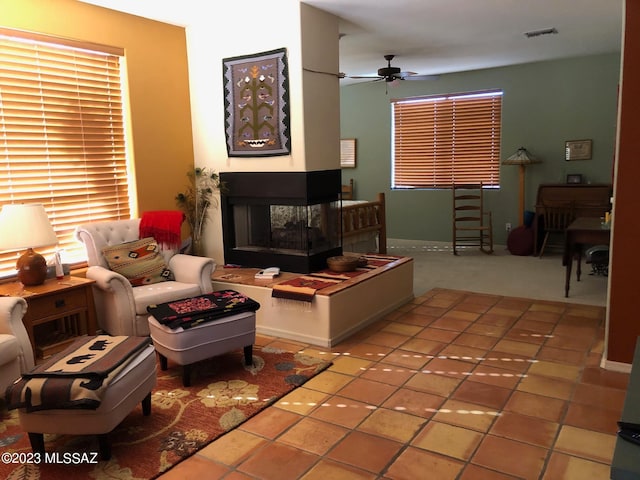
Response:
column 160, row 121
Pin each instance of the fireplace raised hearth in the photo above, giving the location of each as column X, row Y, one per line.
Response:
column 289, row 220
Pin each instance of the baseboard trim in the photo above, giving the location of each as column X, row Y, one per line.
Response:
column 290, row 335
column 615, row 366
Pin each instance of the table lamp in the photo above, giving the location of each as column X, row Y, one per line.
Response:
column 27, row 226
column 522, row 158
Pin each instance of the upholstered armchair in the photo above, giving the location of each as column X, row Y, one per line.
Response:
column 121, row 307
column 16, row 354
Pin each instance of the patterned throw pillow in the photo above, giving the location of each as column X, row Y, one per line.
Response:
column 140, row 262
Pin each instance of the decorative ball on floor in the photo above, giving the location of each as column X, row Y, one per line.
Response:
column 520, row 241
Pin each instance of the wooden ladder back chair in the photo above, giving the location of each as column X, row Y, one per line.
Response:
column 556, row 217
column 472, row 225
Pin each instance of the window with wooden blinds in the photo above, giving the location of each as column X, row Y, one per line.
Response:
column 442, row 140
column 62, row 135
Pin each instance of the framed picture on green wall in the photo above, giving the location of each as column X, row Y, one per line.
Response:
column 577, row 150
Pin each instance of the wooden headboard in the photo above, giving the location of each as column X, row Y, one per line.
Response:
column 347, row 191
column 366, row 217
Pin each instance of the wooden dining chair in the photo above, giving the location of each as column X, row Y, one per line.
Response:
column 556, row 218
column 472, row 225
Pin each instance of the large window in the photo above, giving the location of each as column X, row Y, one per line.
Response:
column 442, row 140
column 62, row 135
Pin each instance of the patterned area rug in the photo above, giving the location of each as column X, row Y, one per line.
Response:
column 224, row 393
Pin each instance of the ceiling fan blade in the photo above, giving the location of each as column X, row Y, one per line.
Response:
column 360, row 76
column 422, row 77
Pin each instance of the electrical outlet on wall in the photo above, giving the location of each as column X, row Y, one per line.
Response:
column 507, row 226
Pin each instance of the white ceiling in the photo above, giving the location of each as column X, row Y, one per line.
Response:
column 441, row 36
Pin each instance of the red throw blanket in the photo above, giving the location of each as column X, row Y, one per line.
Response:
column 164, row 226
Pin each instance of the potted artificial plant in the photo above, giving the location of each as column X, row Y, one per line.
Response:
column 195, row 202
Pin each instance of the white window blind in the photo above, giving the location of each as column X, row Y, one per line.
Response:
column 62, row 135
column 439, row 141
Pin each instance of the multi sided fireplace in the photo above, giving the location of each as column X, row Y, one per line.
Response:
column 289, row 220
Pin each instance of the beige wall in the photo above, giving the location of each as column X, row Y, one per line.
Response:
column 321, row 92
column 313, row 99
column 160, row 122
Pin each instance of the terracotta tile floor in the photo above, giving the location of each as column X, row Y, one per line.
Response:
column 455, row 385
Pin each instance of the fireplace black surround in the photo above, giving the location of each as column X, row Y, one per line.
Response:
column 289, row 220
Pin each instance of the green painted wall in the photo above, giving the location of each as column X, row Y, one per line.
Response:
column 544, row 104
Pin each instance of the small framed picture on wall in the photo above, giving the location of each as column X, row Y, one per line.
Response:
column 577, row 150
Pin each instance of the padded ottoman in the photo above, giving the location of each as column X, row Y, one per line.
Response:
column 206, row 340
column 131, row 386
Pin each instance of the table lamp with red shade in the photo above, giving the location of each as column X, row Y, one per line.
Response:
column 27, row 226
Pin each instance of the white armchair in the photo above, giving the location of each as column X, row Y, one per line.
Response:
column 122, row 309
column 16, row 354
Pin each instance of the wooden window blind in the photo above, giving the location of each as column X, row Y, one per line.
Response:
column 439, row 141
column 62, row 136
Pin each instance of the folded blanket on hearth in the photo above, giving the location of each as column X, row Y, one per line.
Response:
column 77, row 377
column 189, row 312
column 302, row 288
column 164, row 226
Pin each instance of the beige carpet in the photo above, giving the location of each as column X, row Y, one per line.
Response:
column 500, row 273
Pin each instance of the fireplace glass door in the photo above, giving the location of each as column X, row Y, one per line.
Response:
column 287, row 229
column 286, row 220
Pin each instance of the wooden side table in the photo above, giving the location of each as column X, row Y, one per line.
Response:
column 58, row 311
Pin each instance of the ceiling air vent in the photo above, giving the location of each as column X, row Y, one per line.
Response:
column 539, row 33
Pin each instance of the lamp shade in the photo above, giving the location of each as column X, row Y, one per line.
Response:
column 25, row 226
column 521, row 157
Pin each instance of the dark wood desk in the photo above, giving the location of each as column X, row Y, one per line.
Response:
column 587, row 200
column 582, row 231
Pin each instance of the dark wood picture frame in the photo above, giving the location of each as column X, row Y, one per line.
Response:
column 578, row 149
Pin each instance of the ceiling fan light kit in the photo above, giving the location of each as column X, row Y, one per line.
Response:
column 389, row 73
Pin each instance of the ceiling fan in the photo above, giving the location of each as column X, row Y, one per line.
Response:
column 390, row 74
